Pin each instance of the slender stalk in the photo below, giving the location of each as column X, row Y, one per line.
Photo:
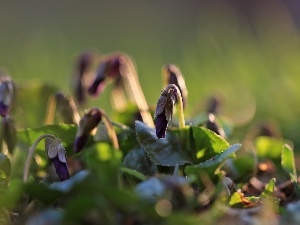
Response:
column 118, row 98
column 136, row 91
column 179, row 104
column 76, row 115
column 110, row 130
column 30, row 154
column 180, row 109
column 50, row 110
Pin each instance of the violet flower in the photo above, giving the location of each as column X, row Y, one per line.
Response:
column 57, row 156
column 87, row 123
column 83, row 64
column 164, row 110
column 109, row 68
column 6, row 95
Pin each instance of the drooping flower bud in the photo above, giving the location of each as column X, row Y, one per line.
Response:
column 213, row 125
column 172, row 75
column 164, row 109
column 83, row 65
column 213, row 104
column 87, row 123
column 109, row 68
column 6, row 95
column 57, row 156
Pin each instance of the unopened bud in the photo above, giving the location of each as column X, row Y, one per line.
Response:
column 83, row 64
column 6, row 95
column 214, row 126
column 213, row 104
column 57, row 156
column 109, row 68
column 87, row 123
column 164, row 110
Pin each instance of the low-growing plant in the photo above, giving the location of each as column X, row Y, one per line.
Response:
column 153, row 166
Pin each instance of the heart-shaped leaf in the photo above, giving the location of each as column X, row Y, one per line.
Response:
column 168, row 151
column 65, row 132
column 207, row 143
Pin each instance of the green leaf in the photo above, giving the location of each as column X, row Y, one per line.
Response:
column 4, row 216
column 207, row 143
column 138, row 160
column 216, row 160
column 65, row 132
column 268, row 147
column 240, row 168
column 11, row 196
column 167, row 151
column 31, row 102
column 209, row 167
column 288, row 164
column 5, row 166
column 236, row 200
column 269, row 189
column 132, row 175
column 288, row 161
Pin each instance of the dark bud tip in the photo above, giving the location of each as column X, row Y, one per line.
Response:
column 161, row 125
column 87, row 123
column 3, row 109
column 80, row 142
column 61, row 168
column 96, row 87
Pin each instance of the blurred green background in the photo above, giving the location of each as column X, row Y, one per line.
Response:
column 246, row 51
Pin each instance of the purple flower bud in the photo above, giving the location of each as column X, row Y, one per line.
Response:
column 57, row 156
column 83, row 65
column 6, row 95
column 61, row 168
column 80, row 142
column 161, row 124
column 164, row 110
column 87, row 123
column 214, row 126
column 109, row 68
column 213, row 104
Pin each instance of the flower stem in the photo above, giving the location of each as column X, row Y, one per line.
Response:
column 50, row 110
column 179, row 104
column 136, row 91
column 180, row 109
column 30, row 154
column 110, row 130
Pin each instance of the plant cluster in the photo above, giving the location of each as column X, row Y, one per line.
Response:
column 146, row 165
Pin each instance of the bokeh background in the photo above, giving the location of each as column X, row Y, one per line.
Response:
column 245, row 51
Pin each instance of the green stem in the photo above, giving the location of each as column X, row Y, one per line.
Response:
column 180, row 109
column 179, row 104
column 110, row 130
column 136, row 92
column 30, row 154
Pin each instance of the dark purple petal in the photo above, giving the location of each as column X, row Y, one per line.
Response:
column 61, row 168
column 161, row 125
column 3, row 109
column 80, row 142
column 97, row 87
